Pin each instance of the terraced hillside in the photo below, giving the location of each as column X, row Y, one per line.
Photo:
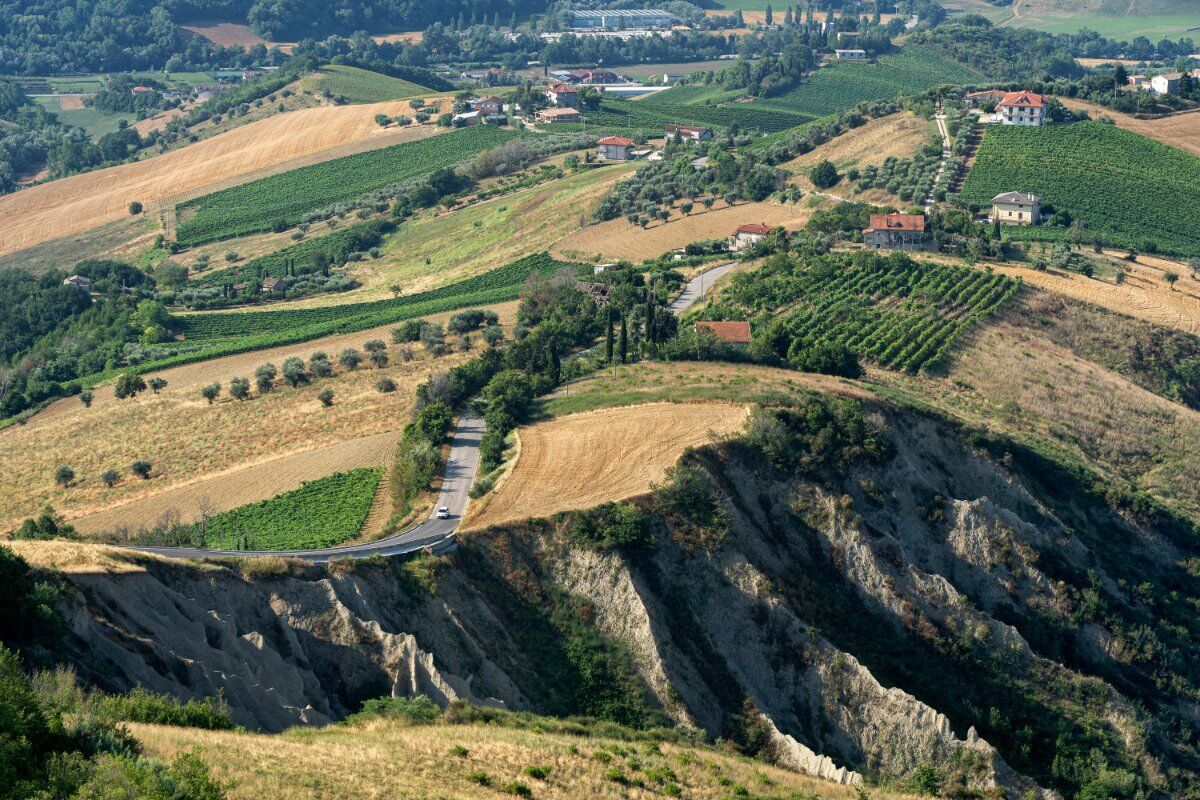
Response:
column 1134, row 191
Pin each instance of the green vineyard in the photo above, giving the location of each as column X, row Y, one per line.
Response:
column 629, row 117
column 1135, row 191
column 257, row 206
column 891, row 310
column 321, row 513
column 844, row 85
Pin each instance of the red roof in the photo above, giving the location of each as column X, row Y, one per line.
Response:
column 562, row 88
column 898, row 222
column 619, row 141
column 732, row 332
column 753, row 227
column 1023, row 99
column 671, row 126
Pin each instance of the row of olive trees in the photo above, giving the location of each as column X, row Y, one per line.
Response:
column 65, row 475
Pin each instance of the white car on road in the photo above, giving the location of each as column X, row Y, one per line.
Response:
column 443, row 513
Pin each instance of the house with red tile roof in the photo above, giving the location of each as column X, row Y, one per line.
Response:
column 735, row 333
column 749, row 235
column 562, row 95
column 896, row 232
column 1022, row 108
column 695, row 133
column 615, row 148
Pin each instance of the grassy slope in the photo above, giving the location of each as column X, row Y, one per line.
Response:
column 320, row 513
column 1126, row 186
column 256, row 206
column 388, row 758
column 360, row 85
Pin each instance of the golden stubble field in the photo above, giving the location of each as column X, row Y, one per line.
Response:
column 82, row 202
column 620, row 239
column 210, row 458
column 583, row 460
column 386, row 759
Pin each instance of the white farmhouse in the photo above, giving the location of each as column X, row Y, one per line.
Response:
column 1017, row 208
column 1167, row 83
column 1022, row 108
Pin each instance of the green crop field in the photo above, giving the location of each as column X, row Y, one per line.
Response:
column 891, row 310
column 629, row 117
column 843, row 85
column 1132, row 189
column 321, row 513
column 360, row 85
column 95, row 123
column 255, row 207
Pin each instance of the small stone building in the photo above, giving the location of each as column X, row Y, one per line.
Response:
column 1017, row 208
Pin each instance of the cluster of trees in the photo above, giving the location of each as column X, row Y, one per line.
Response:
column 658, row 186
column 770, row 75
column 51, row 335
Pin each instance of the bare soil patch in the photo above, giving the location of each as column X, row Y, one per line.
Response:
column 70, row 102
column 620, row 239
column 226, row 34
column 583, row 460
column 82, row 202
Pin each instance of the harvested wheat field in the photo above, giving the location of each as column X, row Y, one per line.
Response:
column 409, row 37
column 1177, row 130
column 71, row 102
column 583, row 460
column 1143, row 294
column 897, row 135
column 620, row 239
column 61, row 555
column 392, row 759
column 188, row 441
column 158, row 121
column 243, row 484
column 82, row 202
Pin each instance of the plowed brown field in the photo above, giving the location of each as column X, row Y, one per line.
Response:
column 83, row 202
column 583, row 460
column 619, row 239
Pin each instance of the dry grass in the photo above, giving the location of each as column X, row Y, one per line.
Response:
column 82, row 202
column 620, row 239
column 897, row 135
column 1143, row 294
column 1177, row 130
column 583, row 460
column 71, row 102
column 207, row 448
column 78, row 557
column 1010, row 377
column 389, row 760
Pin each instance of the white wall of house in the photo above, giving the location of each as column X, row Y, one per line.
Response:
column 1017, row 213
column 1020, row 115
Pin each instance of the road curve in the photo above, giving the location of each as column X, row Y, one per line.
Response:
column 461, row 466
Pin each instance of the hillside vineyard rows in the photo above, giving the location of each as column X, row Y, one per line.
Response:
column 256, row 207
column 1131, row 189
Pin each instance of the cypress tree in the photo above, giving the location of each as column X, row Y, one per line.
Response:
column 624, row 342
column 512, row 22
column 651, row 323
column 608, row 342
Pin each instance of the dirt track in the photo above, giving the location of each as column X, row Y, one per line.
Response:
column 582, row 460
column 82, row 202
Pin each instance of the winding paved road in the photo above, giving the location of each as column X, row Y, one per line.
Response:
column 461, row 466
